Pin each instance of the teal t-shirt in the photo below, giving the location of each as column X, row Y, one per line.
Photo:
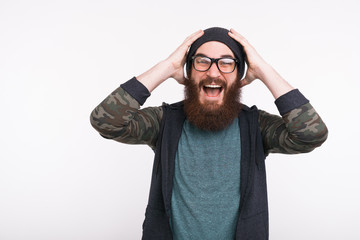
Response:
column 206, row 191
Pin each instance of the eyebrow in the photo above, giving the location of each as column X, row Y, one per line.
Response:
column 222, row 56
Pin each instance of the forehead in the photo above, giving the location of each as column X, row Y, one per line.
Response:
column 214, row 49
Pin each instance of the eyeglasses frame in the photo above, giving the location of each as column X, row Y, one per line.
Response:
column 213, row 60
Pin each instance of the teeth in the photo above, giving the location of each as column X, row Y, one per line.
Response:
column 213, row 86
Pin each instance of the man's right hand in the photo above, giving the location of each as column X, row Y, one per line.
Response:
column 171, row 67
column 177, row 59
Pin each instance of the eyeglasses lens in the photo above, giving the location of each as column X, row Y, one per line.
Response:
column 225, row 65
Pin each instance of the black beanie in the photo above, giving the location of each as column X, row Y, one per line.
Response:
column 220, row 35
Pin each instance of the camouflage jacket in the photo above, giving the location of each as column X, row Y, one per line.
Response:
column 120, row 118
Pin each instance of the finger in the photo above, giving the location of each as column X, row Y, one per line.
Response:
column 233, row 31
column 195, row 35
column 250, row 51
column 238, row 37
column 189, row 40
column 192, row 38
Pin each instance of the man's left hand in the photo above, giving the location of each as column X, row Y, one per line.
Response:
column 255, row 62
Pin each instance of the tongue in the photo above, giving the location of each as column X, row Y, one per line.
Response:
column 212, row 92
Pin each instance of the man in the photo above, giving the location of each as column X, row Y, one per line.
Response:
column 209, row 172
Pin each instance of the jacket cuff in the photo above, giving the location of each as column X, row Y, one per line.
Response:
column 290, row 101
column 136, row 89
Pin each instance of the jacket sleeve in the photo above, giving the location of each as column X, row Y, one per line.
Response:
column 120, row 118
column 299, row 130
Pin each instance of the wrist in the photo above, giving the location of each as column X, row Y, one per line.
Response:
column 154, row 76
column 265, row 72
column 274, row 82
column 169, row 67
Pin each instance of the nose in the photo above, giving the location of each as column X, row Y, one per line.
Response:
column 213, row 71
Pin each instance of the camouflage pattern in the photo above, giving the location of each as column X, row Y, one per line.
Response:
column 120, row 118
column 298, row 131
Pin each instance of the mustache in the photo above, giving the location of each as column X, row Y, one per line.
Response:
column 210, row 80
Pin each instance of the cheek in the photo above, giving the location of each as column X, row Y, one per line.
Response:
column 231, row 80
column 196, row 78
column 196, row 75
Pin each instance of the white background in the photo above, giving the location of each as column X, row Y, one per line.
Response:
column 58, row 59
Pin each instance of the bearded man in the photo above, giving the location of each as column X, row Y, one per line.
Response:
column 209, row 177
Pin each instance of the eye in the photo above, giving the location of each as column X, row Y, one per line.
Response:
column 226, row 62
column 202, row 60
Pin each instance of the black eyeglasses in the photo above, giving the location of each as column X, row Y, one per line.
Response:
column 225, row 64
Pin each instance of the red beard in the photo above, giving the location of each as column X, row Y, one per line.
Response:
column 212, row 116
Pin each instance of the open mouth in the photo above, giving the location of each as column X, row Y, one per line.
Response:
column 212, row 90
